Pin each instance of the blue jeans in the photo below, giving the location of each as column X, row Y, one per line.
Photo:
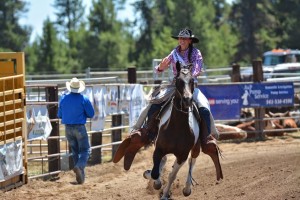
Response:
column 79, row 143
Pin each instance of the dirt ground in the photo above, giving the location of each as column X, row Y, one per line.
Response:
column 267, row 170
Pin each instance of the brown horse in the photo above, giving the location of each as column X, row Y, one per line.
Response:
column 179, row 134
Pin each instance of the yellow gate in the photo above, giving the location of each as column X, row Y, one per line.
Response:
column 13, row 159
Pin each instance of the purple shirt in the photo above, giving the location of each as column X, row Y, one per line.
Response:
column 196, row 59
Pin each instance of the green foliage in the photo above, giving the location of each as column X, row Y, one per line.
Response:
column 288, row 15
column 13, row 36
column 106, row 42
column 254, row 22
column 228, row 33
column 52, row 52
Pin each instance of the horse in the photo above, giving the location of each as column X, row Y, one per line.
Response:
column 179, row 134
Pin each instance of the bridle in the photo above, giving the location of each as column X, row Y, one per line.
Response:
column 190, row 108
column 180, row 109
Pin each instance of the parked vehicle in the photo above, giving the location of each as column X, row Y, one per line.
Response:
column 272, row 59
column 285, row 70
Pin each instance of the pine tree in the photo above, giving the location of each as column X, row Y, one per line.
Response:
column 13, row 36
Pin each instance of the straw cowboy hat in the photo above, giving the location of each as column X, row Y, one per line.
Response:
column 75, row 85
column 186, row 33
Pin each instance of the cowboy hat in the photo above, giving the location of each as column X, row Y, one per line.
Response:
column 186, row 33
column 75, row 85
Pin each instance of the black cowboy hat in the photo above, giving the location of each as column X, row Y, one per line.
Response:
column 186, row 33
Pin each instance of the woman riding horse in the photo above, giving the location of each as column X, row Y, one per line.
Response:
column 185, row 53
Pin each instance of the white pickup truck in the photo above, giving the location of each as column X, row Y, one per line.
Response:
column 277, row 63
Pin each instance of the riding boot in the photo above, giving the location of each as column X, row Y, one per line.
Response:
column 209, row 121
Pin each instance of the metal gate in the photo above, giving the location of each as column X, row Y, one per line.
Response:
column 13, row 160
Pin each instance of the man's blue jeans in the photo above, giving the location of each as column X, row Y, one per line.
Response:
column 79, row 143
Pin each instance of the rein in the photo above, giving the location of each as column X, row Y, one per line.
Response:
column 180, row 109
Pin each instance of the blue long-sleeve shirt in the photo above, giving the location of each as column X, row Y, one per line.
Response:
column 75, row 108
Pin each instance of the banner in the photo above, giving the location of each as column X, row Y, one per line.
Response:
column 112, row 103
column 125, row 98
column 98, row 121
column 11, row 162
column 138, row 102
column 226, row 101
column 38, row 122
column 267, row 94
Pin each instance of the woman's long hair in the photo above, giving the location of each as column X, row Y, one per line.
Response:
column 190, row 52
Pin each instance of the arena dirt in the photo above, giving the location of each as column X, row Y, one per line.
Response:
column 267, row 170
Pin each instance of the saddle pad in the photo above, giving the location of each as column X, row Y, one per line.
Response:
column 162, row 93
column 192, row 121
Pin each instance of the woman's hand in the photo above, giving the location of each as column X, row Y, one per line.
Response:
column 164, row 64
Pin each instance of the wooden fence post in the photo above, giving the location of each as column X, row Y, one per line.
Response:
column 258, row 77
column 96, row 157
column 236, row 75
column 116, row 135
column 131, row 74
column 53, row 144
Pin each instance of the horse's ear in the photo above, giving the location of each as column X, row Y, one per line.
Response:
column 178, row 67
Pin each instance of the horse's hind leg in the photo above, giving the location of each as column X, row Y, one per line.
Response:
column 210, row 148
column 172, row 176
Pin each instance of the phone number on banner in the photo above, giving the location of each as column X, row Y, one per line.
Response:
column 278, row 101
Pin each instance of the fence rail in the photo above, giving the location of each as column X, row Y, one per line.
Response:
column 104, row 143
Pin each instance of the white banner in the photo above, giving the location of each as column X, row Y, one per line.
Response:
column 125, row 98
column 11, row 162
column 38, row 122
column 112, row 99
column 98, row 120
column 138, row 102
column 89, row 93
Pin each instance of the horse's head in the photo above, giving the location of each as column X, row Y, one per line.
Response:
column 184, row 84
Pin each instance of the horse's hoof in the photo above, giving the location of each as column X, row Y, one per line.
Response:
column 167, row 197
column 147, row 174
column 157, row 184
column 186, row 192
column 219, row 181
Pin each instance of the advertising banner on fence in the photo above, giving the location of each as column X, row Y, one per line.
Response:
column 137, row 103
column 98, row 120
column 267, row 94
column 11, row 163
column 226, row 101
column 38, row 122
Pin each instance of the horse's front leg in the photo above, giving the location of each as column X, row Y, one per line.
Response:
column 147, row 174
column 194, row 154
column 157, row 157
column 172, row 177
column 187, row 189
